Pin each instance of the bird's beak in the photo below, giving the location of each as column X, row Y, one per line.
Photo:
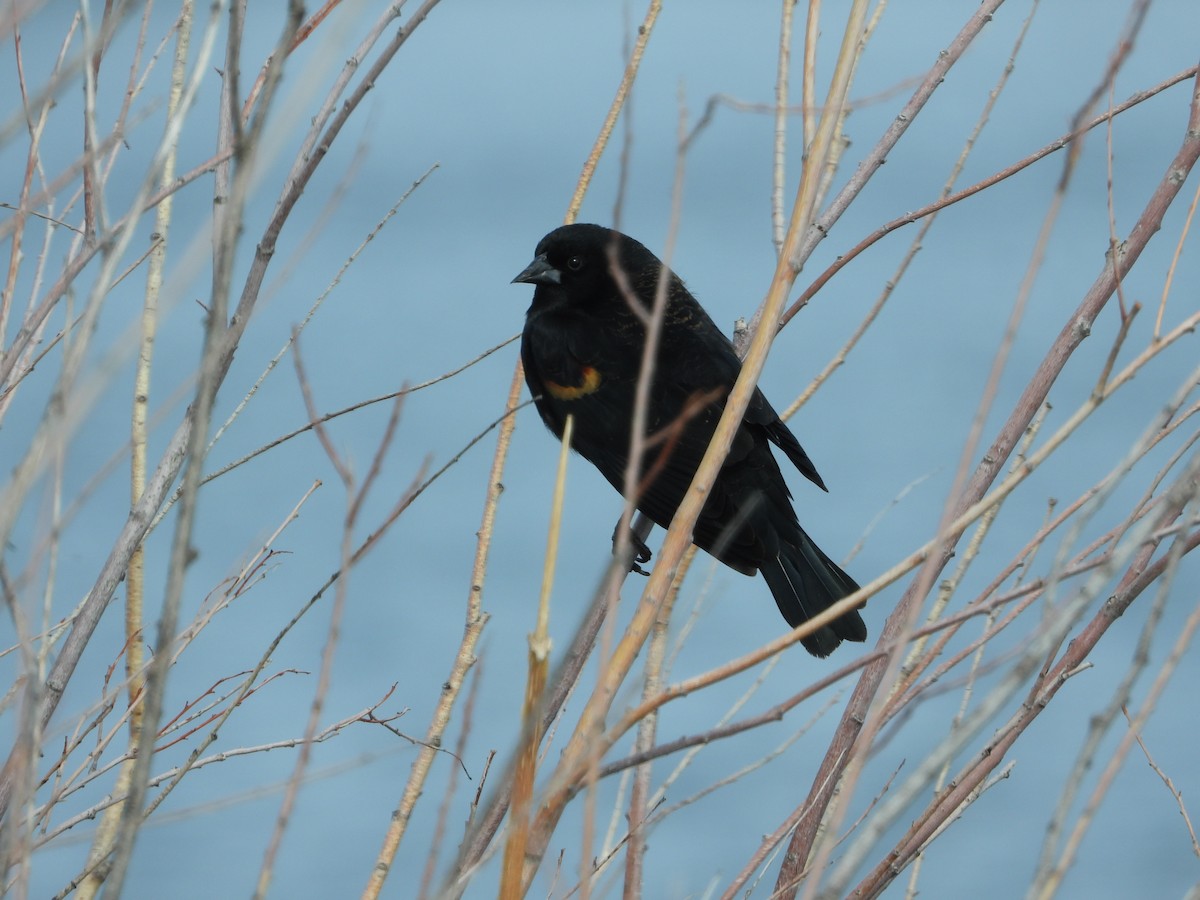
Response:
column 539, row 272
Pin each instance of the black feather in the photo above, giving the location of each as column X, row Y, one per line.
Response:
column 582, row 349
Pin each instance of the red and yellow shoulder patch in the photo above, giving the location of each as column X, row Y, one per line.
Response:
column 589, row 382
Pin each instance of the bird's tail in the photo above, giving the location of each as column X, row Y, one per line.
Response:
column 804, row 582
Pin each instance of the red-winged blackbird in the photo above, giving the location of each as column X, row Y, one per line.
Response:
column 582, row 349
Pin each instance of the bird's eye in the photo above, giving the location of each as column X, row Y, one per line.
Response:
column 575, row 263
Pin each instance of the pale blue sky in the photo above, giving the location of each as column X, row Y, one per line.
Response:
column 506, row 99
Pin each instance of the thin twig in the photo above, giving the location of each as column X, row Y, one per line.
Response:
column 1074, row 331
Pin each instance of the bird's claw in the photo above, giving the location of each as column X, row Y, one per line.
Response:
column 641, row 551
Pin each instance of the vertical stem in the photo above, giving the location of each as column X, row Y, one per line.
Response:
column 539, row 655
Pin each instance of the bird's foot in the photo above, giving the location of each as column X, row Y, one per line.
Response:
column 641, row 552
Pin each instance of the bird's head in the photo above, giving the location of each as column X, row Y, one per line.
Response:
column 589, row 264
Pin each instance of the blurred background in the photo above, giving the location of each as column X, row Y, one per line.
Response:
column 504, row 102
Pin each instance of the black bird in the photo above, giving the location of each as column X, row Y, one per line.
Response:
column 582, row 349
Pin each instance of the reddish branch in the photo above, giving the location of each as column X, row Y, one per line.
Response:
column 1077, row 327
column 1140, row 574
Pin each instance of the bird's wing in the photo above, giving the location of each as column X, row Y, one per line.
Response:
column 705, row 360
